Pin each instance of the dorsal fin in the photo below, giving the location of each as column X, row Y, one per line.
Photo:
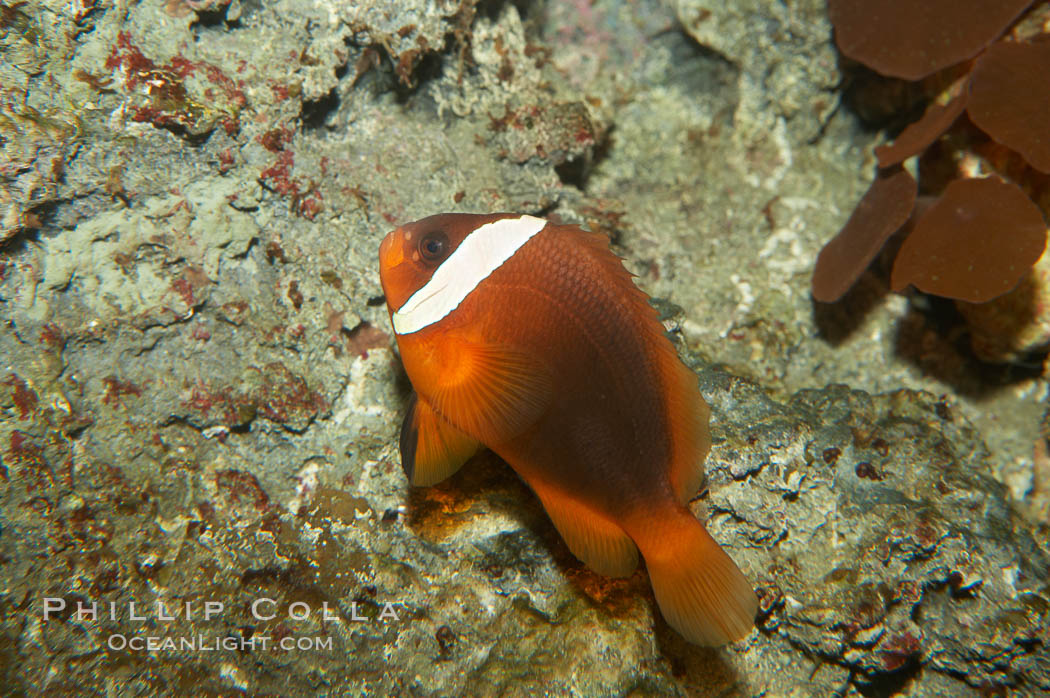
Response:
column 689, row 416
column 431, row 448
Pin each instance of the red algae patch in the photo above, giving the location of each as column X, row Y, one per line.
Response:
column 1003, row 86
column 882, row 211
column 974, row 243
column 911, row 39
column 1010, row 98
column 917, row 136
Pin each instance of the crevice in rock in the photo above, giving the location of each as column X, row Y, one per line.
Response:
column 428, row 68
column 215, row 18
column 316, row 113
column 890, row 683
column 527, row 9
column 576, row 171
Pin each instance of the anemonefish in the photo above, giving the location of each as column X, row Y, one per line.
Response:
column 531, row 339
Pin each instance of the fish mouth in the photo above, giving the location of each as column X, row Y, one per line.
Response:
column 390, row 253
column 384, row 246
column 391, row 256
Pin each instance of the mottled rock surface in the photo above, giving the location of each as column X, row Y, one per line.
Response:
column 199, row 399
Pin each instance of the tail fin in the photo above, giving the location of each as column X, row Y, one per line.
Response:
column 700, row 590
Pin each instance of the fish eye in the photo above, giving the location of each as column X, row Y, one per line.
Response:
column 433, row 246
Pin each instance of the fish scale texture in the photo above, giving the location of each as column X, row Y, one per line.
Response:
column 567, row 300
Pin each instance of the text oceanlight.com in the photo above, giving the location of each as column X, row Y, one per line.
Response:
column 200, row 643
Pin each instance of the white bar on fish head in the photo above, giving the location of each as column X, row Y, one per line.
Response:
column 482, row 252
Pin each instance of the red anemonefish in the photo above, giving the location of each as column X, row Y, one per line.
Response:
column 531, row 339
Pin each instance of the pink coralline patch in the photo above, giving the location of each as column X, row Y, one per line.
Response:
column 276, row 139
column 911, row 39
column 1010, row 98
column 231, row 89
column 284, row 394
column 242, row 488
column 116, row 389
column 201, row 398
column 226, row 160
column 311, row 206
column 34, row 470
column 167, row 103
column 188, row 282
column 272, row 392
column 899, row 649
column 883, row 210
column 974, row 243
column 282, row 92
column 222, row 405
column 364, row 337
column 558, row 133
column 127, row 56
column 185, row 290
column 277, row 176
column 24, row 397
column 52, row 336
column 235, row 312
column 305, row 198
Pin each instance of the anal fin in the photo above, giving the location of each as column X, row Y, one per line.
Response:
column 431, row 448
column 600, row 543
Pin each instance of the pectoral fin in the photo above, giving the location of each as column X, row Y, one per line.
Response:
column 489, row 391
column 431, row 448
